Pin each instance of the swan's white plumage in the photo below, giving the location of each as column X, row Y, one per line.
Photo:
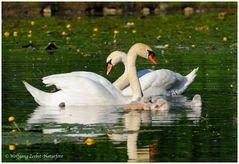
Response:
column 158, row 82
column 73, row 80
column 88, row 88
column 88, row 92
column 163, row 82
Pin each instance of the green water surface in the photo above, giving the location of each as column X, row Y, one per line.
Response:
column 180, row 134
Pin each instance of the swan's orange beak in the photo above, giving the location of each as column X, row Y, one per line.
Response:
column 151, row 58
column 109, row 67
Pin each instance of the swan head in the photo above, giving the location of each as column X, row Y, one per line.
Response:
column 144, row 51
column 197, row 100
column 114, row 58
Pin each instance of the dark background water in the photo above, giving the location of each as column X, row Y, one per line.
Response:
column 207, row 134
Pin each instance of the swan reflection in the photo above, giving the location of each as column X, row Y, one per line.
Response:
column 74, row 121
column 75, row 115
column 134, row 119
column 118, row 125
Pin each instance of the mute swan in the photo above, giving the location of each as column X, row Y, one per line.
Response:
column 88, row 88
column 159, row 82
column 196, row 101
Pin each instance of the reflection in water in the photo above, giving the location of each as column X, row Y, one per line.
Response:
column 102, row 115
column 75, row 115
column 85, row 116
column 133, row 120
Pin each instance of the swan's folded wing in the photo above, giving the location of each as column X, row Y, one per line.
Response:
column 70, row 79
column 64, row 82
column 154, row 82
column 159, row 78
column 179, row 83
column 53, row 79
column 162, row 80
column 169, row 80
column 74, row 81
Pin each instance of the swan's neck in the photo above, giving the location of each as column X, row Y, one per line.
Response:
column 132, row 74
column 122, row 82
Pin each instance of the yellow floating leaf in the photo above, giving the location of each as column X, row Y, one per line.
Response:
column 32, row 23
column 6, row 34
column 95, row 29
column 89, row 141
column 11, row 147
column 14, row 130
column 158, row 37
column 116, row 31
column 68, row 26
column 11, row 118
column 225, row 39
column 29, row 35
column 166, row 46
column 64, row 33
column 15, row 33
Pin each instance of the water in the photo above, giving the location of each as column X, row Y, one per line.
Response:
column 207, row 133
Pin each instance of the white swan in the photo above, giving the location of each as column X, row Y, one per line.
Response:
column 159, row 82
column 88, row 88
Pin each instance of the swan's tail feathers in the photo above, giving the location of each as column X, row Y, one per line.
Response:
column 191, row 76
column 39, row 96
